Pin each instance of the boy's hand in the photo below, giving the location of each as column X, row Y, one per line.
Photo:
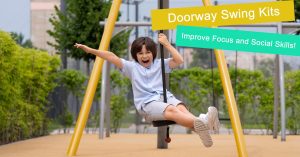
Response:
column 80, row 46
column 162, row 39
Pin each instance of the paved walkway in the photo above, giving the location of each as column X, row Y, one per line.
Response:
column 144, row 145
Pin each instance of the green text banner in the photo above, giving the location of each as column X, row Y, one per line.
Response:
column 216, row 38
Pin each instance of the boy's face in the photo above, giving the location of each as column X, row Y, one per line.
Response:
column 145, row 57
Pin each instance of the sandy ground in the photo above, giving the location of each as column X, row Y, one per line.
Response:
column 144, row 145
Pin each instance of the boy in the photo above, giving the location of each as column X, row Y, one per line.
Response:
column 145, row 75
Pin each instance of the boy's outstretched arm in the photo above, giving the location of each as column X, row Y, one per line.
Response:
column 107, row 55
column 176, row 57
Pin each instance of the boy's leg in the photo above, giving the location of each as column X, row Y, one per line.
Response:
column 201, row 127
column 181, row 118
column 183, row 109
column 203, row 131
column 184, row 119
column 213, row 119
column 210, row 118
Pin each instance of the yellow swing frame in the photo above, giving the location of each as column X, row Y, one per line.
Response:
column 92, row 85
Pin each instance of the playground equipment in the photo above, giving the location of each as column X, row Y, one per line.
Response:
column 87, row 101
column 227, row 87
column 91, row 88
column 281, row 28
column 230, row 99
column 163, row 126
column 161, row 123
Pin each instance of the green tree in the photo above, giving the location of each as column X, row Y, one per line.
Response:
column 80, row 23
column 19, row 38
column 194, row 87
column 120, row 87
column 202, row 58
column 292, row 86
column 66, row 119
column 26, row 79
column 264, row 103
column 297, row 12
column 287, row 66
column 39, row 72
column 73, row 80
column 267, row 67
column 8, row 92
column 297, row 9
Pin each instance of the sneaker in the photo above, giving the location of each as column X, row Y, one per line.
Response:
column 202, row 130
column 211, row 119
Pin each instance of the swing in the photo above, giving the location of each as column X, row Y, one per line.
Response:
column 212, row 84
column 160, row 123
column 86, row 104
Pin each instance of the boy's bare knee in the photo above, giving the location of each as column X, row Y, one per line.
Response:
column 170, row 111
column 181, row 107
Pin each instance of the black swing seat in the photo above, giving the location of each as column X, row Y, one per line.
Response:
column 159, row 123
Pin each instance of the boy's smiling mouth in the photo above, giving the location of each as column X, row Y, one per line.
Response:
column 145, row 61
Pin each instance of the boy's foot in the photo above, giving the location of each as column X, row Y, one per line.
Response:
column 202, row 130
column 211, row 119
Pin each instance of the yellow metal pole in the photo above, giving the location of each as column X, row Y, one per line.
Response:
column 93, row 82
column 230, row 100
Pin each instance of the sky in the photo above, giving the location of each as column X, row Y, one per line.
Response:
column 15, row 14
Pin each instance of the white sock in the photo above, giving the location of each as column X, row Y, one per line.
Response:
column 204, row 118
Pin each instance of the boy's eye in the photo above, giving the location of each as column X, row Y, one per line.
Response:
column 148, row 51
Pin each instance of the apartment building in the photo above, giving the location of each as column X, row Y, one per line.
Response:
column 40, row 12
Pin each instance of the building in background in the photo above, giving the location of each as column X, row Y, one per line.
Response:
column 40, row 12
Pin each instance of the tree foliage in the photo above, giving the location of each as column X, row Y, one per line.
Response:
column 119, row 102
column 253, row 93
column 19, row 39
column 297, row 9
column 203, row 58
column 292, row 87
column 120, row 87
column 73, row 80
column 267, row 67
column 80, row 23
column 297, row 13
column 193, row 87
column 26, row 78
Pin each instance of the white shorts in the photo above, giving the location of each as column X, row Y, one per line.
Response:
column 154, row 110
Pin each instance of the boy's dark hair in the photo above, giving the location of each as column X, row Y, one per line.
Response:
column 137, row 46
